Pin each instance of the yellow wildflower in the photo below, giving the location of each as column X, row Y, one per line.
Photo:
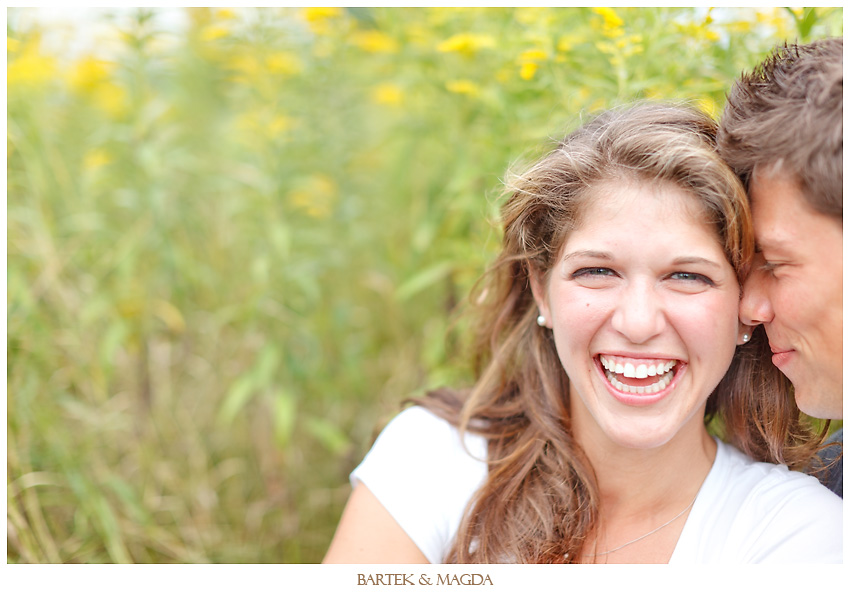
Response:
column 778, row 19
column 533, row 15
column 463, row 87
column 86, row 74
column 247, row 67
column 284, row 63
column 225, row 14
column 503, row 75
column 375, row 42
column 611, row 24
column 318, row 13
column 387, row 94
column 532, row 55
column 662, row 91
column 529, row 63
column 605, row 47
column 709, row 106
column 527, row 70
column 96, row 158
column 611, row 18
column 598, row 105
column 467, row 43
column 266, row 124
column 111, row 98
column 213, row 32
column 30, row 68
column 319, row 18
column 695, row 31
column 417, row 35
column 315, row 196
column 739, row 27
column 568, row 42
column 278, row 125
column 632, row 50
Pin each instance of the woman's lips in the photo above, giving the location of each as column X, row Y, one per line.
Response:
column 638, row 381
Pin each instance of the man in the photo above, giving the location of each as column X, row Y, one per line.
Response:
column 782, row 133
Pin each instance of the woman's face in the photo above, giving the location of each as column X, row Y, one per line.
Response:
column 643, row 307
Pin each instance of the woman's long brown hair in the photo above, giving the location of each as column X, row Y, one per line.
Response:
column 539, row 503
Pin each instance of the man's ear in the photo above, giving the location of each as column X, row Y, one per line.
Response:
column 538, row 289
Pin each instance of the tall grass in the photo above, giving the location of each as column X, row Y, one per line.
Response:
column 233, row 252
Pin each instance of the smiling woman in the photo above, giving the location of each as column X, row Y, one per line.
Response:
column 609, row 339
column 619, row 299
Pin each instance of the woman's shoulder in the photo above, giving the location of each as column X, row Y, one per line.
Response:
column 765, row 477
column 424, row 431
column 424, row 473
column 752, row 511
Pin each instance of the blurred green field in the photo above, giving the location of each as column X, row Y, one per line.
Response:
column 231, row 253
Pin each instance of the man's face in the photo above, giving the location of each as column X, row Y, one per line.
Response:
column 795, row 290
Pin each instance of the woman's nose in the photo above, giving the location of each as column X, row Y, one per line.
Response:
column 639, row 315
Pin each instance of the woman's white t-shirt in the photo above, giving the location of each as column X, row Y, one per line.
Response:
column 745, row 512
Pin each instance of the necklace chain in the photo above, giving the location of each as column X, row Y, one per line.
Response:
column 651, row 532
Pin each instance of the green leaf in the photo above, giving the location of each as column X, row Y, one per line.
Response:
column 331, row 437
column 238, row 395
column 422, row 280
column 285, row 408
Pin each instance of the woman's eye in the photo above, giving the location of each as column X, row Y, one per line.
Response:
column 691, row 277
column 593, row 272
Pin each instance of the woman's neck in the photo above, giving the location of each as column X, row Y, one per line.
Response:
column 646, row 492
column 630, row 480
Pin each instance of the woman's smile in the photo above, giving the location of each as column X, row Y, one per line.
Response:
column 645, row 377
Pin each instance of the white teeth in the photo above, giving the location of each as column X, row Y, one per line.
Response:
column 654, row 388
column 641, row 371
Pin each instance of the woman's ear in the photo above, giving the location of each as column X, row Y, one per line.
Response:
column 538, row 289
column 745, row 333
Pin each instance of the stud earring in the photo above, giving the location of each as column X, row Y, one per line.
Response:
column 541, row 320
column 746, row 338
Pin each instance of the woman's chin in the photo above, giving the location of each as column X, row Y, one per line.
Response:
column 639, row 441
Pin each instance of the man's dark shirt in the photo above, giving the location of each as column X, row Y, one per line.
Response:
column 832, row 476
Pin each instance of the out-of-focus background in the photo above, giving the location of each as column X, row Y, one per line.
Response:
column 238, row 238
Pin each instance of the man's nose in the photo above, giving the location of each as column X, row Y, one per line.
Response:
column 755, row 307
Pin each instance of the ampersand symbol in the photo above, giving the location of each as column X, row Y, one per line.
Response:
column 424, row 580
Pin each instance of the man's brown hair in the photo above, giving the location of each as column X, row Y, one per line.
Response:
column 788, row 111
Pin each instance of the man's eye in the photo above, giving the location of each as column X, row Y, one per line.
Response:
column 768, row 266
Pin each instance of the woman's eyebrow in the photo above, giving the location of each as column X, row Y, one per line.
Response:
column 592, row 254
column 693, row 260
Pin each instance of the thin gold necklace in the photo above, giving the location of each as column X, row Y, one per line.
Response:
column 650, row 533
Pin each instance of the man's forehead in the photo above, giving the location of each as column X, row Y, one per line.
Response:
column 772, row 174
column 774, row 197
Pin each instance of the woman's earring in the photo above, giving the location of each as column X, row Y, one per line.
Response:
column 541, row 320
column 746, row 338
